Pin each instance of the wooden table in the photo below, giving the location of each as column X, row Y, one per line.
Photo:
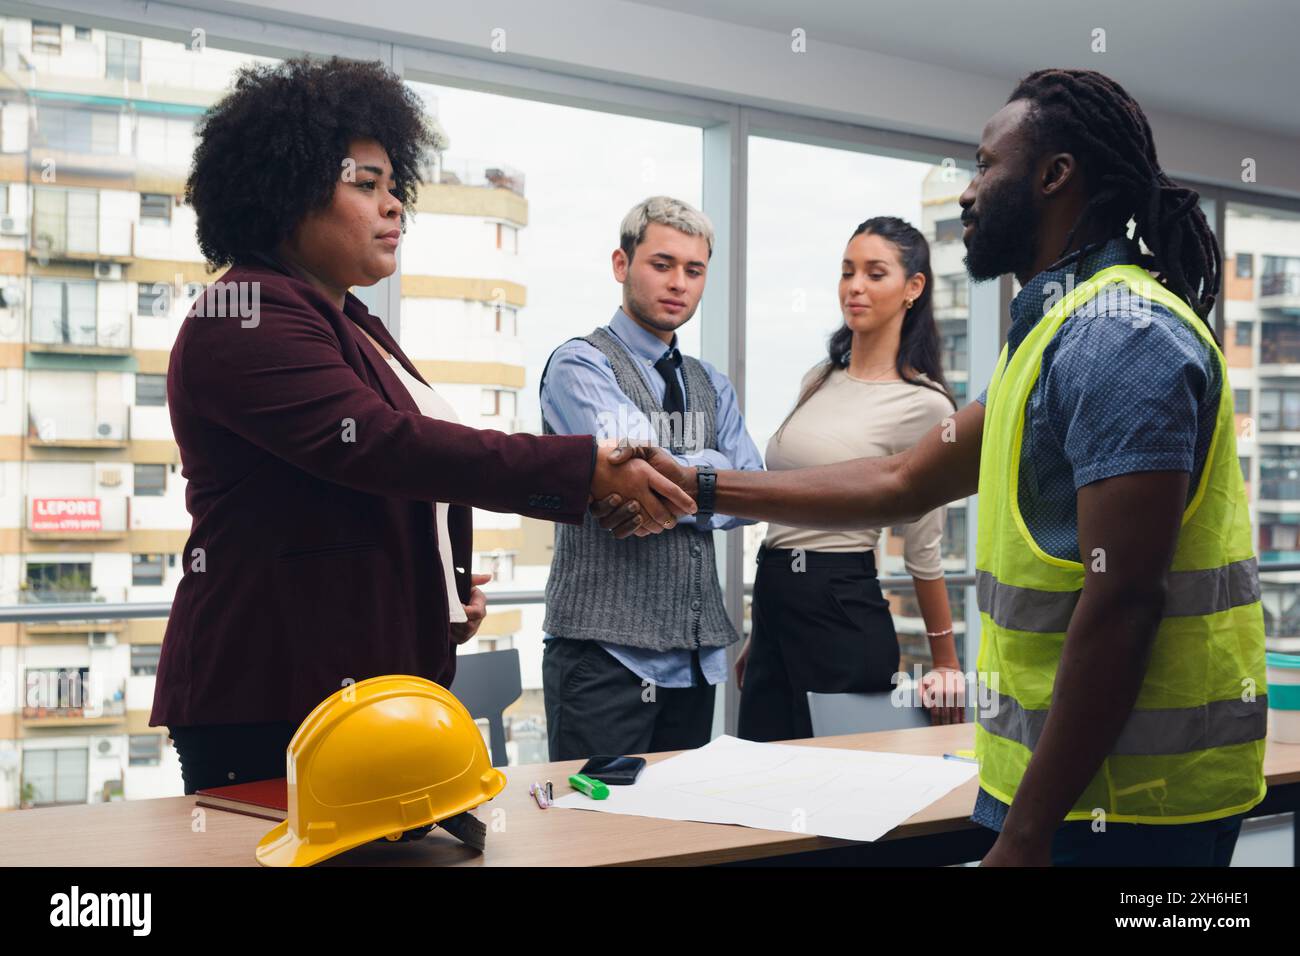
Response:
column 161, row 832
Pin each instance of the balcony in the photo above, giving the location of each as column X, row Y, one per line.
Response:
column 85, row 159
column 93, row 335
column 58, row 596
column 87, row 238
column 473, row 172
column 1281, row 291
column 109, row 712
column 951, row 302
column 1279, row 489
column 63, row 628
column 74, row 708
column 1279, row 345
column 954, row 361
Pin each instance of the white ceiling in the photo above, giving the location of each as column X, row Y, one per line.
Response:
column 1235, row 62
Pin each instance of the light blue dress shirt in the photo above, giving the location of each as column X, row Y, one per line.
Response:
column 581, row 396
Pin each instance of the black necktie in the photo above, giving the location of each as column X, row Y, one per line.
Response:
column 667, row 367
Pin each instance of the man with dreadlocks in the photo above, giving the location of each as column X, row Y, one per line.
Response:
column 1122, row 636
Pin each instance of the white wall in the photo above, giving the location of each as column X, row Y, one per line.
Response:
column 13, row 405
column 175, row 240
column 164, row 780
column 457, row 330
column 453, row 245
column 678, row 52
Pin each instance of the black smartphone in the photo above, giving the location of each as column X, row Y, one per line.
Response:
column 614, row 771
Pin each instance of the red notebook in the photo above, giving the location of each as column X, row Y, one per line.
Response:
column 268, row 799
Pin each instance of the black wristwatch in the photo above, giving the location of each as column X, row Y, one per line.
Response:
column 706, row 486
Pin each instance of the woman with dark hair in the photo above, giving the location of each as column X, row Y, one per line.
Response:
column 329, row 486
column 820, row 620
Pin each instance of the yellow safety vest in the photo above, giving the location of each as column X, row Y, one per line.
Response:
column 1193, row 747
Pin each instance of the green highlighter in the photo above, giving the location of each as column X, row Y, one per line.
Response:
column 589, row 785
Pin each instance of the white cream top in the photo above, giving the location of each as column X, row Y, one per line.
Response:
column 852, row 418
column 434, row 405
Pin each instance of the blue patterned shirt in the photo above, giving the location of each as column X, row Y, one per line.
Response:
column 1125, row 386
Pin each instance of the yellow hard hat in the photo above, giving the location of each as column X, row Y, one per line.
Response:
column 377, row 759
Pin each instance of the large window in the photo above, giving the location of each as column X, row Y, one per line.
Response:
column 63, row 312
column 98, row 135
column 77, row 130
column 151, row 480
column 147, row 570
column 47, row 37
column 122, row 58
column 150, row 390
column 507, row 257
column 145, row 750
column 1262, row 293
column 53, row 777
column 57, row 691
column 65, row 222
column 62, row 581
column 144, row 659
column 805, row 202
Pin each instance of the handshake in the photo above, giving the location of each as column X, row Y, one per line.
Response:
column 639, row 490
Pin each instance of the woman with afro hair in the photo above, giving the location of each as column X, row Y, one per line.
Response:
column 329, row 486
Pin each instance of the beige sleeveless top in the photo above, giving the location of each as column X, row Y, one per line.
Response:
column 852, row 418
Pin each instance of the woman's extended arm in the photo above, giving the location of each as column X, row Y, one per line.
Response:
column 284, row 386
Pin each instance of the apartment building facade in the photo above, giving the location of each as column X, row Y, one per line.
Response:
column 98, row 266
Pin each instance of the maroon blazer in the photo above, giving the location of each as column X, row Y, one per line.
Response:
column 312, row 558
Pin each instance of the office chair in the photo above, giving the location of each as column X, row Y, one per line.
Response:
column 488, row 683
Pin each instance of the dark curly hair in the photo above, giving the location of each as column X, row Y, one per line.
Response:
column 1090, row 115
column 271, row 150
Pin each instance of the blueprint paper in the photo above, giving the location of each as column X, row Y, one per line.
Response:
column 849, row 794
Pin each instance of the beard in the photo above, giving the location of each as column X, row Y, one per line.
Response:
column 643, row 308
column 1006, row 232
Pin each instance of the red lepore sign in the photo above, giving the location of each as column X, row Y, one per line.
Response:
column 66, row 514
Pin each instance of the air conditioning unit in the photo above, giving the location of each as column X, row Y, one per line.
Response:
column 109, row 431
column 108, row 270
column 103, row 639
column 110, row 477
column 108, row 747
column 12, row 226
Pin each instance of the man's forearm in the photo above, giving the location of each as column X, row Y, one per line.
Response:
column 863, row 493
column 1104, row 660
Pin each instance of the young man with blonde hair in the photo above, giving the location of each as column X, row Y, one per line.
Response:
column 636, row 631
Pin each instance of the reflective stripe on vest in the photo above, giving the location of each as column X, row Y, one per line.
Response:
column 1193, row 746
column 1189, row 593
column 1219, row 723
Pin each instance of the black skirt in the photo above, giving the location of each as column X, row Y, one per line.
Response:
column 819, row 623
column 221, row 755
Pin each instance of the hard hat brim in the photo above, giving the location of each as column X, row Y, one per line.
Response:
column 281, row 848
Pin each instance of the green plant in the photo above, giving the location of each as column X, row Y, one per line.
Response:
column 73, row 581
